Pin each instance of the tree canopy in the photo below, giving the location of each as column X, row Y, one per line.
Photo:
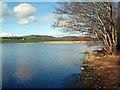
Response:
column 96, row 18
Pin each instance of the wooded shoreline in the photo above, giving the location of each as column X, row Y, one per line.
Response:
column 101, row 71
column 50, row 41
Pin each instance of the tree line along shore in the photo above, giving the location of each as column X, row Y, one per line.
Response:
column 48, row 40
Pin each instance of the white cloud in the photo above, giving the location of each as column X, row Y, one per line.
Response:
column 5, row 34
column 25, row 13
column 2, row 20
column 28, row 20
column 24, row 10
column 47, row 18
column 32, row 18
column 23, row 21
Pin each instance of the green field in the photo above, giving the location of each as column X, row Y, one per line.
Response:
column 32, row 40
column 36, row 39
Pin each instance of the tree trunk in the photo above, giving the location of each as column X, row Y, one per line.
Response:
column 118, row 28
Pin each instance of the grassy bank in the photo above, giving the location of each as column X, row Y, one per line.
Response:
column 102, row 71
column 29, row 40
column 45, row 40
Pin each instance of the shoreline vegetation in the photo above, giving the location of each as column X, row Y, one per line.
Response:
column 68, row 42
column 50, row 42
column 101, row 71
column 47, row 40
column 101, row 67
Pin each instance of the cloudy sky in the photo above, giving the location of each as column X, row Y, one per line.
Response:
column 25, row 18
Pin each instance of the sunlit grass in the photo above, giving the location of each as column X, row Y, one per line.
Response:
column 31, row 40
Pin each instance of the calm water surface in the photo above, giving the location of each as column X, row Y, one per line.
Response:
column 40, row 65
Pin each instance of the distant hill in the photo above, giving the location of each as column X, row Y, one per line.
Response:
column 41, row 37
column 28, row 37
column 37, row 36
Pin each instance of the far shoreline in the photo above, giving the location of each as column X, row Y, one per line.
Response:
column 68, row 42
column 51, row 41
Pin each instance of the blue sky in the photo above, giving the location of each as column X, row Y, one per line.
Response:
column 26, row 18
column 19, row 23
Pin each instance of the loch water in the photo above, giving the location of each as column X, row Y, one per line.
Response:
column 34, row 65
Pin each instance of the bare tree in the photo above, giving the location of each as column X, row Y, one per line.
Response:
column 118, row 26
column 96, row 18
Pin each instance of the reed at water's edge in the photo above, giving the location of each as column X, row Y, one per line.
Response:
column 101, row 71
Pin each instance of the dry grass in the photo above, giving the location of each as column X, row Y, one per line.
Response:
column 106, row 68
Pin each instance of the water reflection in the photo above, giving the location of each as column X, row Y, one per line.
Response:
column 24, row 70
column 41, row 65
column 71, row 81
column 16, row 69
